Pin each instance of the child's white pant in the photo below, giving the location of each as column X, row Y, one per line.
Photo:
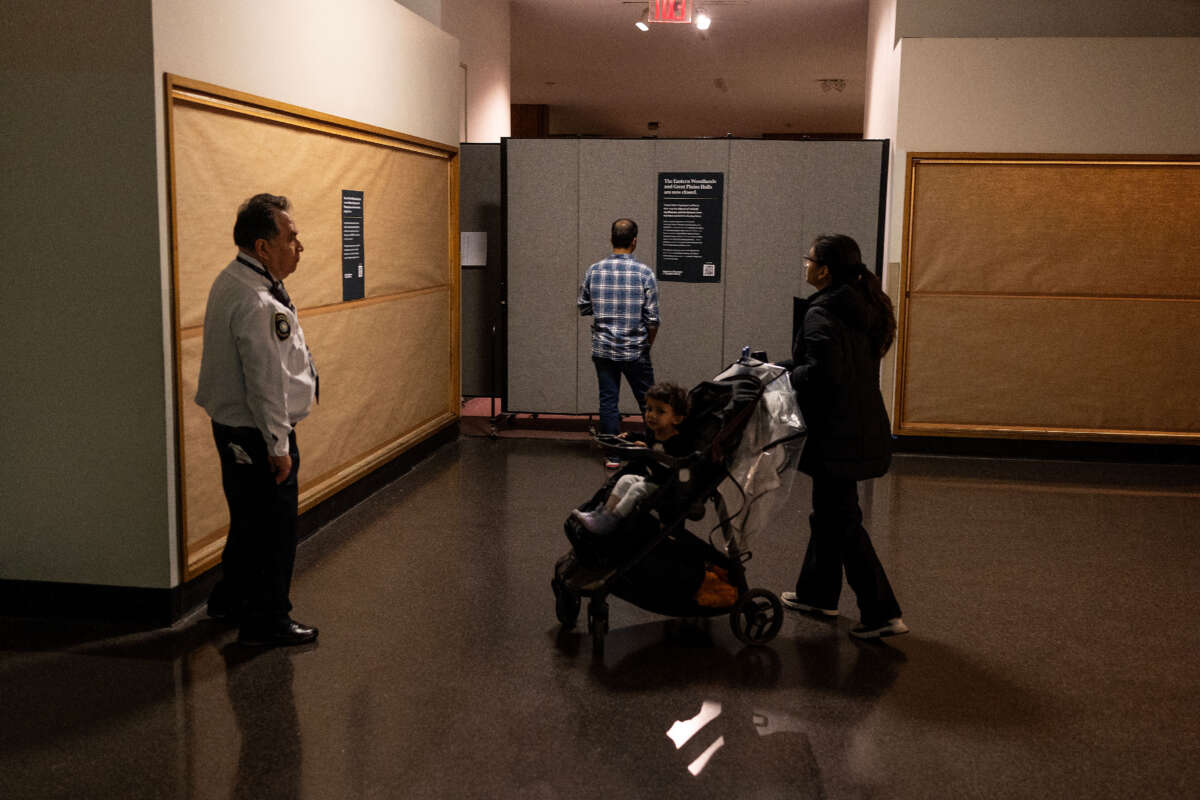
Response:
column 627, row 492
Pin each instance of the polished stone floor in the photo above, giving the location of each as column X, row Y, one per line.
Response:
column 1053, row 654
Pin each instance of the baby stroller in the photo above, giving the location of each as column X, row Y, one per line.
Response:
column 748, row 434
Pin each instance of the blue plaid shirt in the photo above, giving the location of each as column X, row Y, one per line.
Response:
column 622, row 295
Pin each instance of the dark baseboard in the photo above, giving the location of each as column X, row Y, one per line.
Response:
column 155, row 608
column 1038, row 449
column 85, row 601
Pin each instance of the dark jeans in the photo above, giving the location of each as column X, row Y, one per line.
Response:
column 260, row 550
column 639, row 373
column 838, row 540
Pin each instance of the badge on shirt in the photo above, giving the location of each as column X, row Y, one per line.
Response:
column 283, row 328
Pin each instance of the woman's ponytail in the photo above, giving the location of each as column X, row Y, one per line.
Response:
column 883, row 328
column 841, row 255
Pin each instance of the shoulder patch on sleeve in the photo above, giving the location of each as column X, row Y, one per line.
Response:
column 283, row 328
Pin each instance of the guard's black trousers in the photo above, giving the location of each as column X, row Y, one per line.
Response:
column 260, row 550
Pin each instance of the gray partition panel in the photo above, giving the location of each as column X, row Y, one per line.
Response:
column 564, row 194
column 845, row 197
column 791, row 192
column 614, row 173
column 766, row 241
column 543, row 254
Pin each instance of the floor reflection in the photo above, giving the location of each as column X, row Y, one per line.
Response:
column 259, row 683
column 781, row 720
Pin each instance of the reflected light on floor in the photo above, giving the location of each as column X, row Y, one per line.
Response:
column 682, row 731
column 697, row 766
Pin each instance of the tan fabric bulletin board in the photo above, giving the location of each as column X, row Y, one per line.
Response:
column 389, row 362
column 1050, row 297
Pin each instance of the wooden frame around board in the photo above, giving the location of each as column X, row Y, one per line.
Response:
column 389, row 361
column 1049, row 296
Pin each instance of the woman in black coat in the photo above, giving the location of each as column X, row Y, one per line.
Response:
column 847, row 327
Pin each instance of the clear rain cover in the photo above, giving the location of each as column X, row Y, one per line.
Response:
column 763, row 467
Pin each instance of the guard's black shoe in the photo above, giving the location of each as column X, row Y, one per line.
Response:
column 283, row 634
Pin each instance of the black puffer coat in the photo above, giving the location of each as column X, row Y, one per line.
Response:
column 836, row 377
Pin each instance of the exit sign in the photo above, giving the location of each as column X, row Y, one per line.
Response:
column 670, row 10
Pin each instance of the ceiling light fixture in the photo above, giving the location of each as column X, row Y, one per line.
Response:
column 642, row 24
column 703, row 20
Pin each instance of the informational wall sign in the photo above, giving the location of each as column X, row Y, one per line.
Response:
column 670, row 10
column 353, row 258
column 689, row 226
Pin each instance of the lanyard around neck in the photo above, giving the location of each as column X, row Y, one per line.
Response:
column 277, row 290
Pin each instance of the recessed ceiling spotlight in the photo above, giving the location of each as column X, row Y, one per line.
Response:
column 703, row 20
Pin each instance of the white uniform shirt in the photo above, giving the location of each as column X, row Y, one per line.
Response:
column 256, row 370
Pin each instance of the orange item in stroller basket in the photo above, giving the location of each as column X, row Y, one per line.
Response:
column 715, row 591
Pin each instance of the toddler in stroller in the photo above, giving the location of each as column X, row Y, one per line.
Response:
column 666, row 411
column 743, row 435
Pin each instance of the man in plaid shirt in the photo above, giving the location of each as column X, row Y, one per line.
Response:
column 621, row 295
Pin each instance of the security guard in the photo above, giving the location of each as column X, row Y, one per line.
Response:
column 257, row 380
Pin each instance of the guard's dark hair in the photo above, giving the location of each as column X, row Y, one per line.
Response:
column 624, row 231
column 841, row 256
column 671, row 395
column 256, row 219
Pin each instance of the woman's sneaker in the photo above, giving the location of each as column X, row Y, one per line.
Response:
column 789, row 600
column 893, row 627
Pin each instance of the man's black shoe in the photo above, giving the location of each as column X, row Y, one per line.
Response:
column 288, row 632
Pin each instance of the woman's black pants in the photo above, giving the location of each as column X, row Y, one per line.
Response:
column 839, row 541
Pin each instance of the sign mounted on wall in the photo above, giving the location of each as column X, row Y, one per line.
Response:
column 670, row 10
column 689, row 226
column 353, row 258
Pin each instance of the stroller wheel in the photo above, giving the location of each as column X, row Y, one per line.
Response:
column 566, row 605
column 757, row 617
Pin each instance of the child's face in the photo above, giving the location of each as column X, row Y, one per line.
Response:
column 661, row 419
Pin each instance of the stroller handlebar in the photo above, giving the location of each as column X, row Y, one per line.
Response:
column 615, row 444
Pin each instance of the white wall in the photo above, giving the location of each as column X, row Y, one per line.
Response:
column 883, row 71
column 482, row 29
column 880, row 119
column 372, row 61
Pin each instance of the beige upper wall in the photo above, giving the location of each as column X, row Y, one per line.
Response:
column 1053, row 18
column 482, row 29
